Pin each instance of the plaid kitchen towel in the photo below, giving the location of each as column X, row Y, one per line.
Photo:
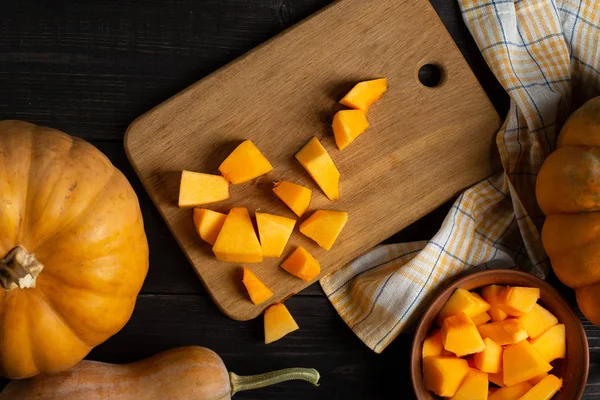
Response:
column 546, row 54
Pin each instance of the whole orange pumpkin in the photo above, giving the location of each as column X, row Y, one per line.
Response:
column 568, row 192
column 74, row 250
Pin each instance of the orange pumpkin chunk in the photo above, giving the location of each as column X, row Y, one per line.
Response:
column 462, row 301
column 208, row 224
column 551, row 344
column 237, row 241
column 196, row 189
column 473, row 387
column 245, row 163
column 490, row 294
column 317, row 162
column 302, row 265
column 517, row 301
column 432, row 345
column 348, row 125
column 324, row 227
column 490, row 359
column 296, row 197
column 364, row 94
column 537, row 321
column 443, row 375
column 481, row 319
column 504, row 332
column 537, row 379
column 257, row 290
column 278, row 323
column 460, row 335
column 510, row 392
column 497, row 378
column 545, row 389
column 521, row 362
column 274, row 232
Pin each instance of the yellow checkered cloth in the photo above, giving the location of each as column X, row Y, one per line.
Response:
column 546, row 54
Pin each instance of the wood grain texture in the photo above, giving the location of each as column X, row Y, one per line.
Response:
column 285, row 92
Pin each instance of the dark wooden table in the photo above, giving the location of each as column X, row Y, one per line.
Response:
column 90, row 67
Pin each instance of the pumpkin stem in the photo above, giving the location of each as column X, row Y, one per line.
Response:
column 241, row 383
column 18, row 269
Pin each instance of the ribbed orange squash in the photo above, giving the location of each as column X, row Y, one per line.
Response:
column 568, row 192
column 74, row 250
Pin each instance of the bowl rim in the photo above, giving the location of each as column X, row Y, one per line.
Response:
column 461, row 280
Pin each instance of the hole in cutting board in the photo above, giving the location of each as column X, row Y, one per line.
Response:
column 430, row 75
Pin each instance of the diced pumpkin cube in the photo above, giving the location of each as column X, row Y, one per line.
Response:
column 490, row 294
column 196, row 189
column 504, row 332
column 551, row 344
column 274, row 232
column 462, row 301
column 317, row 162
column 365, row 93
column 510, row 392
column 257, row 290
column 481, row 319
column 324, row 227
column 534, row 381
column 208, row 224
column 497, row 314
column 497, row 378
column 460, row 335
column 443, row 375
column 296, row 197
column 302, row 265
column 490, row 359
column 244, row 163
column 473, row 387
column 545, row 389
column 348, row 125
column 278, row 323
column 237, row 241
column 517, row 301
column 537, row 321
column 520, row 363
column 432, row 345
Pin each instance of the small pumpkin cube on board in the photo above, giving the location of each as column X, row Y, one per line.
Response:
column 490, row 359
column 196, row 189
column 473, row 387
column 537, row 321
column 208, row 224
column 319, row 165
column 510, row 392
column 504, row 332
column 443, row 375
column 545, row 389
column 497, row 378
column 481, row 319
column 551, row 344
column 460, row 335
column 324, row 227
column 274, row 232
column 462, row 301
column 257, row 290
column 237, row 241
column 245, row 163
column 517, row 301
column 364, row 94
column 302, row 265
column 537, row 379
column 296, row 197
column 278, row 323
column 521, row 362
column 348, row 125
column 490, row 294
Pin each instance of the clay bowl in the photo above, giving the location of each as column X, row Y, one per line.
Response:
column 573, row 369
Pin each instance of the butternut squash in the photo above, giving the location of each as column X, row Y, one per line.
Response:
column 443, row 375
column 257, row 290
column 490, row 359
column 364, row 94
column 245, row 163
column 324, row 227
column 319, row 165
column 208, row 224
column 537, row 321
column 237, row 241
column 196, row 189
column 544, row 389
column 510, row 392
column 552, row 344
column 521, row 362
column 460, row 335
column 517, row 301
column 504, row 332
column 348, row 125
column 274, row 232
column 302, row 265
column 278, row 322
column 473, row 387
column 462, row 301
column 296, row 197
column 490, row 294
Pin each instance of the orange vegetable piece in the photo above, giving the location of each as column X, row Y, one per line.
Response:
column 537, row 321
column 460, row 335
column 317, row 162
column 551, row 344
column 208, row 224
column 462, row 301
column 504, row 332
column 473, row 387
column 274, row 232
column 348, row 125
column 196, row 189
column 537, row 379
column 244, row 163
column 278, row 323
column 302, row 265
column 481, row 319
column 257, row 290
column 237, row 241
column 364, row 94
column 517, row 301
column 432, row 345
column 497, row 378
column 521, row 362
column 296, row 197
column 545, row 389
column 510, row 392
column 324, row 227
column 443, row 375
column 490, row 359
column 490, row 294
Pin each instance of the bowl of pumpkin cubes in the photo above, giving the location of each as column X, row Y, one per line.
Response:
column 499, row 335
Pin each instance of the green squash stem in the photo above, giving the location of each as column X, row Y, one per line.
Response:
column 242, row 383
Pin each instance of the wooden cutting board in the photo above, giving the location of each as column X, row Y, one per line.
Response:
column 425, row 144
